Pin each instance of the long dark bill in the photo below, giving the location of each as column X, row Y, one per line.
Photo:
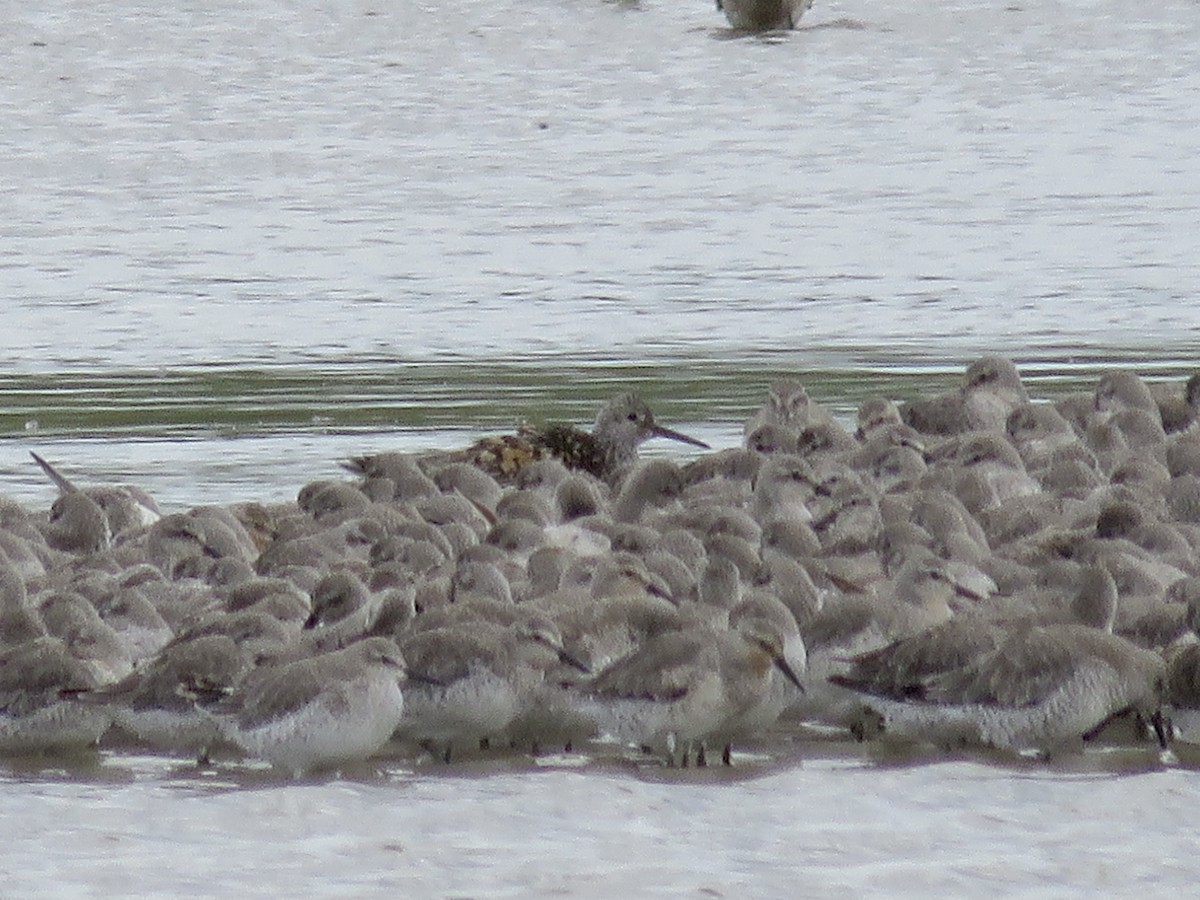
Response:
column 660, row 431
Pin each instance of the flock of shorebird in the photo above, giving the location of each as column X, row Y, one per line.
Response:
column 969, row 569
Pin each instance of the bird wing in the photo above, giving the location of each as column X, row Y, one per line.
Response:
column 1022, row 671
column 272, row 693
column 445, row 655
column 904, row 668
column 661, row 669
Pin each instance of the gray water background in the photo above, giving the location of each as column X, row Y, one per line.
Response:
column 242, row 240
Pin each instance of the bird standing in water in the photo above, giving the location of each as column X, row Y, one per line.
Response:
column 763, row 15
column 622, row 425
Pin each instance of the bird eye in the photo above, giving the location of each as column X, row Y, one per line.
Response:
column 632, row 417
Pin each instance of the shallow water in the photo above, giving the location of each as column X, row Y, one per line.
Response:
column 241, row 241
column 578, row 178
column 227, row 433
column 827, row 821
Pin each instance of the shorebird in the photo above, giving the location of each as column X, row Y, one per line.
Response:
column 165, row 703
column 37, row 710
column 1041, row 433
column 19, row 621
column 763, row 15
column 680, row 689
column 126, row 507
column 924, row 592
column 140, row 626
column 1183, row 668
column 476, row 679
column 77, row 524
column 984, row 471
column 906, row 667
column 766, row 621
column 991, row 390
column 343, row 608
column 319, row 712
column 1039, row 689
column 1120, row 389
column 877, row 415
column 1178, row 411
column 788, row 404
column 622, row 425
column 93, row 642
column 650, row 484
column 1183, row 689
column 610, row 615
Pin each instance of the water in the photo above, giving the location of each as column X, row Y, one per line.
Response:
column 826, row 826
column 294, row 182
column 240, row 241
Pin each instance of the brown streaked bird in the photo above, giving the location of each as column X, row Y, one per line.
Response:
column 622, row 425
column 763, row 15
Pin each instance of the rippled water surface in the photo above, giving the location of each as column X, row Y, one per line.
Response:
column 239, row 241
column 817, row 824
column 296, row 181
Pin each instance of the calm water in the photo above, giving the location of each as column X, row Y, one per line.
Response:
column 241, row 240
column 817, row 828
column 288, row 181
